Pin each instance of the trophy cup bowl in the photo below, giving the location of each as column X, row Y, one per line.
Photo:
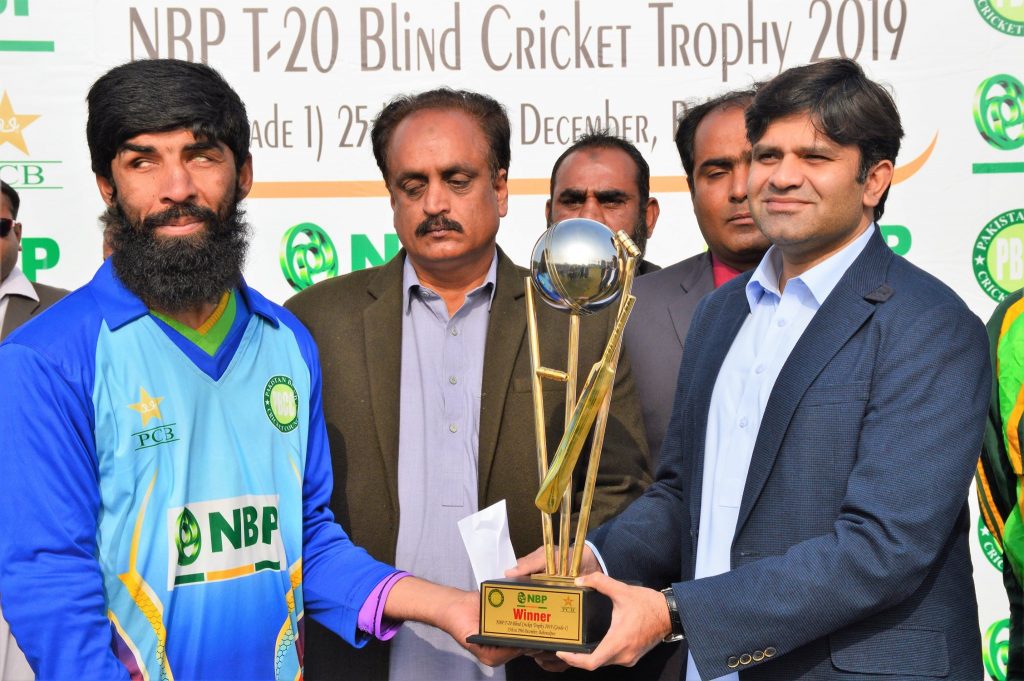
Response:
column 579, row 266
column 576, row 266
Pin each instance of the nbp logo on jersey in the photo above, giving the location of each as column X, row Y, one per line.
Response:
column 212, row 541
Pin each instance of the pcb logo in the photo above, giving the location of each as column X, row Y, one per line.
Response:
column 998, row 255
column 989, row 546
column 1006, row 16
column 282, row 403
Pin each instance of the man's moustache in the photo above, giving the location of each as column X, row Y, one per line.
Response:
column 181, row 210
column 436, row 224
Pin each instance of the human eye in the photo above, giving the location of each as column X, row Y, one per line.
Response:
column 138, row 162
column 413, row 189
column 459, row 183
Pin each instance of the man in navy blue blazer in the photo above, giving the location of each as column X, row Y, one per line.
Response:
column 809, row 519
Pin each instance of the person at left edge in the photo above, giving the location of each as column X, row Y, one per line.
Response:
column 20, row 300
column 165, row 477
column 427, row 377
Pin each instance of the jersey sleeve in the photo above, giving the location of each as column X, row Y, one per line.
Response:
column 50, row 580
column 338, row 576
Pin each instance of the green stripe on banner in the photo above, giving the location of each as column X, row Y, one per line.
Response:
column 991, row 168
column 267, row 565
column 26, row 46
column 189, row 579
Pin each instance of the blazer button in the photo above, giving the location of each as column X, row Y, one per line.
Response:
column 770, row 652
column 758, row 655
column 745, row 658
column 733, row 662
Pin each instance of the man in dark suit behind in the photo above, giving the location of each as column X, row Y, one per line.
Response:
column 20, row 298
column 605, row 178
column 713, row 146
column 426, row 376
column 809, row 518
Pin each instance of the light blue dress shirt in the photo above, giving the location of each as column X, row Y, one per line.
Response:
column 438, row 443
column 745, row 381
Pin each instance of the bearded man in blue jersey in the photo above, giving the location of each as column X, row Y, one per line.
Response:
column 164, row 477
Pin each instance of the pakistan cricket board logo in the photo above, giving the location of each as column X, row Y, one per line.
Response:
column 989, row 546
column 282, row 403
column 307, row 255
column 998, row 255
column 999, row 111
column 1006, row 16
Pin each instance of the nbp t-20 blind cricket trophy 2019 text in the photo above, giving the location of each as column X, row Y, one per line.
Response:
column 579, row 266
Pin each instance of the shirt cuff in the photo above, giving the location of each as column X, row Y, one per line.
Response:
column 597, row 554
column 371, row 616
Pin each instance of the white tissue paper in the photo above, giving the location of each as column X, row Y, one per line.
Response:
column 485, row 534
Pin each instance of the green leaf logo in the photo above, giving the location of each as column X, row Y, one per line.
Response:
column 189, row 540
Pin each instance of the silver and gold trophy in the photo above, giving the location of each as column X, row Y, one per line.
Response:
column 579, row 267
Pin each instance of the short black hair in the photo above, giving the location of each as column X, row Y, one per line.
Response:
column 844, row 105
column 487, row 111
column 602, row 139
column 12, row 198
column 690, row 120
column 158, row 95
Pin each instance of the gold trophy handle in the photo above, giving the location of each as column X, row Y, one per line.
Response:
column 599, row 384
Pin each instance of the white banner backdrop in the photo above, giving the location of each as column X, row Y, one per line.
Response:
column 314, row 75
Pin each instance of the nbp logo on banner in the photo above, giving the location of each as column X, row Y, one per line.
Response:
column 18, row 9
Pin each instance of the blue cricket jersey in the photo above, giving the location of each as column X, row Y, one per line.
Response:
column 163, row 513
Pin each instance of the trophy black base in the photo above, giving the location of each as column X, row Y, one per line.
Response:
column 542, row 613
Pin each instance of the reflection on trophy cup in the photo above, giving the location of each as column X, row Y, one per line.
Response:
column 579, row 266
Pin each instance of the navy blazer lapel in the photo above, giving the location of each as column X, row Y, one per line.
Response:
column 843, row 313
column 717, row 340
column 382, row 335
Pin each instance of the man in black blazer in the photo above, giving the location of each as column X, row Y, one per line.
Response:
column 712, row 143
column 809, row 520
column 20, row 298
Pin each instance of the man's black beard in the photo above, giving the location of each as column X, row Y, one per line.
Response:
column 640, row 235
column 174, row 274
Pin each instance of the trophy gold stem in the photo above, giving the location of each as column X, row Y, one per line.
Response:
column 539, row 431
column 572, row 368
column 601, row 424
column 596, row 446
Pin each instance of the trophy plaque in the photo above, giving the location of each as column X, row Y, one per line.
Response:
column 578, row 267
